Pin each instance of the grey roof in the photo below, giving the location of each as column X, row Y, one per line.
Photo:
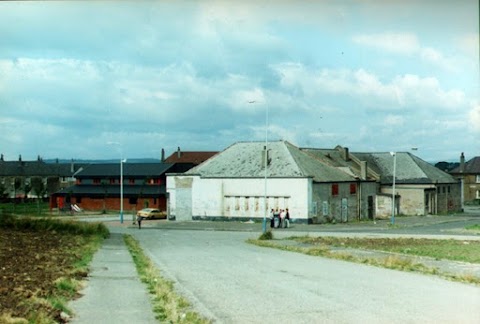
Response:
column 409, row 168
column 35, row 168
column 113, row 190
column 244, row 160
column 472, row 166
column 129, row 170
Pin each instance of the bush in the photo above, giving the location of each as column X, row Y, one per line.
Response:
column 268, row 235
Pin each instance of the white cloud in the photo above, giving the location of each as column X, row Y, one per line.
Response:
column 405, row 44
column 402, row 91
column 474, row 118
column 400, row 43
column 394, row 120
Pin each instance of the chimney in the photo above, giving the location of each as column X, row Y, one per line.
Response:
column 462, row 163
column 263, row 156
column 346, row 155
column 363, row 170
column 163, row 155
column 39, row 159
column 72, row 166
column 1, row 157
column 20, row 158
column 179, row 153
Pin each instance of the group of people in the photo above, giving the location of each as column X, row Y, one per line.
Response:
column 279, row 218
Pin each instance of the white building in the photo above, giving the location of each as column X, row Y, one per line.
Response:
column 232, row 185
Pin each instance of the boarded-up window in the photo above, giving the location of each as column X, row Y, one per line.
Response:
column 335, row 189
column 353, row 188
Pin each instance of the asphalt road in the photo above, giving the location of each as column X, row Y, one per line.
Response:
column 231, row 281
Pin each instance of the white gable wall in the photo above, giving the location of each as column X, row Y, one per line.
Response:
column 237, row 198
column 244, row 198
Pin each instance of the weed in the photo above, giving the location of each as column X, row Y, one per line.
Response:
column 167, row 305
column 268, row 235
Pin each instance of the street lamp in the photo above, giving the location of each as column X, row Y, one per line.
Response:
column 122, row 160
column 121, row 189
column 394, row 154
column 264, row 224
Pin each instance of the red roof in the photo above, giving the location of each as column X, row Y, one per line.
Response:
column 189, row 157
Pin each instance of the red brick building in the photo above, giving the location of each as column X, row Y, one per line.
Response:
column 98, row 187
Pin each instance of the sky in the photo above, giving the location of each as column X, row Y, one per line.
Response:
column 102, row 79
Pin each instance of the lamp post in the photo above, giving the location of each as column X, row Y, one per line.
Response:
column 121, row 190
column 264, row 227
column 394, row 154
column 264, row 223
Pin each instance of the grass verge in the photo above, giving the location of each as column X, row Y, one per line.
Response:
column 475, row 227
column 168, row 306
column 439, row 249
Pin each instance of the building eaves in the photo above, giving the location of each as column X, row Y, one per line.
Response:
column 129, row 170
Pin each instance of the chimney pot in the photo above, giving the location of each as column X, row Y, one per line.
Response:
column 179, row 153
column 462, row 162
column 363, row 170
column 163, row 155
column 346, row 155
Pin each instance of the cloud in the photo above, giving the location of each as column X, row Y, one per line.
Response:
column 399, row 43
column 403, row 91
column 405, row 44
column 394, row 120
column 474, row 118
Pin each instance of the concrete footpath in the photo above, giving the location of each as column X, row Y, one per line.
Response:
column 113, row 292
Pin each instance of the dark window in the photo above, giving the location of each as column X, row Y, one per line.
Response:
column 443, row 188
column 112, row 181
column 448, row 189
column 79, row 200
column 132, row 201
column 353, row 188
column 131, row 181
column 96, row 181
column 79, row 181
column 335, row 189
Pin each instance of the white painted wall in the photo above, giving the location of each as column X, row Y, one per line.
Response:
column 241, row 198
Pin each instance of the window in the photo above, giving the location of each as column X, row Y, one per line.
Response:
column 353, row 188
column 448, row 189
column 112, row 181
column 478, row 194
column 131, row 181
column 478, row 178
column 79, row 181
column 335, row 189
column 96, row 181
column 132, row 201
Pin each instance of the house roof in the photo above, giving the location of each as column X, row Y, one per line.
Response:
column 129, row 170
column 409, row 168
column 36, row 168
column 245, row 160
column 113, row 190
column 194, row 157
column 472, row 166
column 335, row 157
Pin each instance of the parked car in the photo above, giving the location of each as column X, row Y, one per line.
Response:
column 151, row 213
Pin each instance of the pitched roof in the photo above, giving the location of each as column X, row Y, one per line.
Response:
column 113, row 190
column 129, row 170
column 246, row 160
column 409, row 168
column 472, row 166
column 189, row 157
column 35, row 168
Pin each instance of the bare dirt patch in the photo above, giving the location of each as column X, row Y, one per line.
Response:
column 30, row 262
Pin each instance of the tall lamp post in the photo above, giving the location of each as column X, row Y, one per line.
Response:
column 394, row 154
column 264, row 223
column 121, row 189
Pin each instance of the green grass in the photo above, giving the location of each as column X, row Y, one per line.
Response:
column 30, row 207
column 455, row 250
column 468, row 251
column 475, row 227
column 167, row 305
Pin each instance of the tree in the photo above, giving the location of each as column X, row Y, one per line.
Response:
column 39, row 189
